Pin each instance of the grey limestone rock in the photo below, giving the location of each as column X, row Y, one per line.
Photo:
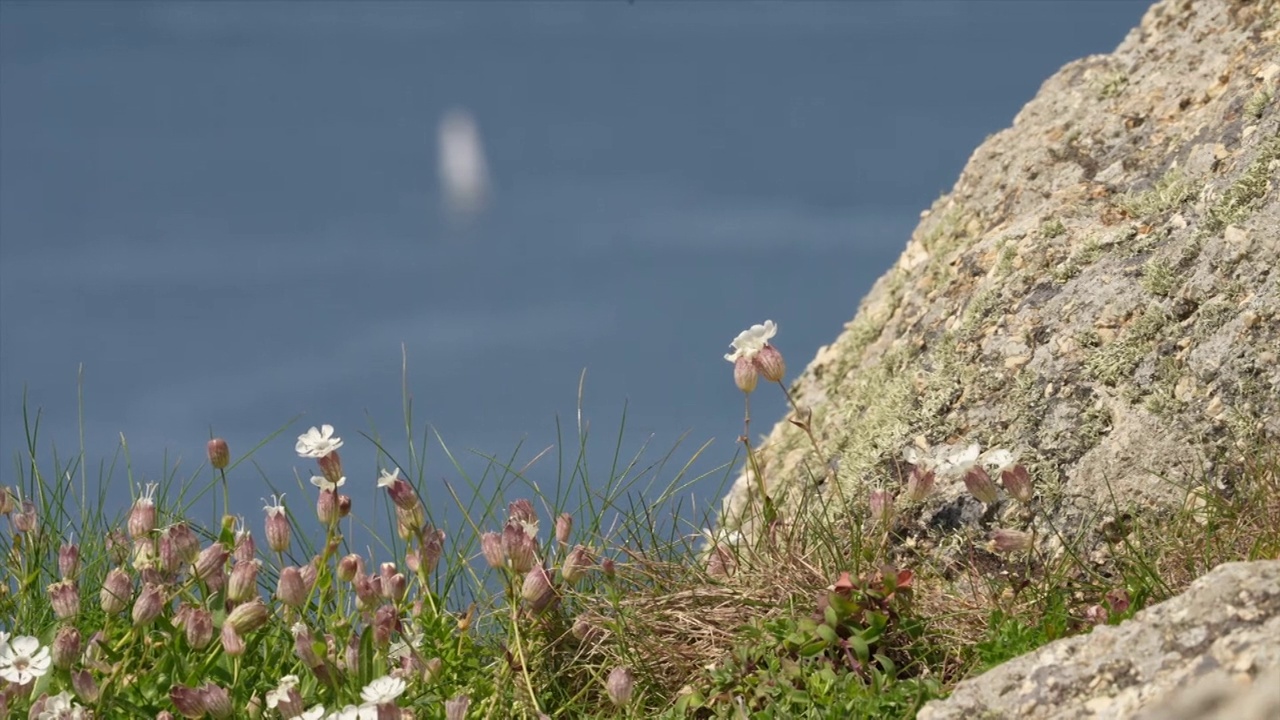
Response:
column 1212, row 653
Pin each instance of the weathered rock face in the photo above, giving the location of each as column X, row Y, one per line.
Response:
column 1101, row 290
column 1212, row 653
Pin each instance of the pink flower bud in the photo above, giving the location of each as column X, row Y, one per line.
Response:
column 327, row 507
column 247, row 617
column 396, row 587
column 619, row 686
column 401, row 492
column 1018, row 482
column 219, row 453
column 368, row 591
column 189, row 702
column 411, row 521
column 386, row 622
column 980, row 485
column 522, row 511
column 232, row 642
column 8, row 502
column 584, row 630
column 519, row 548
column 576, row 564
column 609, row 567
column 344, row 505
column 564, row 526
column 245, row 549
column 920, row 483
column 142, row 517
column 770, row 363
column 491, row 547
column 148, row 606
column 69, row 561
column 745, row 374
column 217, row 701
column 350, row 566
column 65, row 598
column 456, row 709
column 305, row 646
column 243, row 584
column 212, row 560
column 277, row 527
column 1010, row 541
column 117, row 590
column 291, row 590
column 432, row 548
column 537, row 590
column 85, row 687
column 331, row 467
column 184, row 541
column 881, row 506
column 66, row 647
column 197, row 623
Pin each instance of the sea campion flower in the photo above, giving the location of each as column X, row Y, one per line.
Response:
column 564, row 526
column 963, row 463
column 85, row 687
column 286, row 698
column 65, row 599
column 58, row 707
column 142, row 517
column 25, row 520
column 243, row 583
column 277, row 526
column 1010, row 541
column 211, row 561
column 349, row 566
column 317, row 442
column 576, row 564
column 400, row 490
column 881, row 502
column 219, row 453
column 456, row 709
column 383, row 690
column 537, row 589
column 1012, row 473
column 753, row 356
column 491, row 547
column 920, row 482
column 148, row 606
column 23, row 659
column 197, row 623
column 291, row 590
column 217, row 701
column 327, row 506
column 325, row 484
column 65, row 650
column 117, row 590
column 522, row 513
column 68, row 560
column 519, row 548
column 248, row 617
column 232, row 641
column 619, row 686
column 188, row 701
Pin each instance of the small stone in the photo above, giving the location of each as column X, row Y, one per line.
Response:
column 1249, row 318
column 1215, row 407
column 1049, row 390
column 1017, row 361
column 1186, row 388
column 1236, row 235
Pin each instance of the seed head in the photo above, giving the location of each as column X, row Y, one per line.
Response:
column 219, row 453
column 619, row 686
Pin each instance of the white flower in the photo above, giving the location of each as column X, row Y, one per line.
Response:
column 387, row 479
column 383, row 690
column 715, row 538
column 323, row 483
column 61, row 707
column 751, row 341
column 998, row 459
column 4, row 642
column 959, row 460
column 274, row 508
column 23, row 660
column 274, row 697
column 315, row 713
column 316, row 443
column 355, row 712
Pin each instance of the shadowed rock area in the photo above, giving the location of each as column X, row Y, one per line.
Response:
column 1212, row 653
column 1100, row 292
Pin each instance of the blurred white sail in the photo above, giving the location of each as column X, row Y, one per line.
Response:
column 464, row 174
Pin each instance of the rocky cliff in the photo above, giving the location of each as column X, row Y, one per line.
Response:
column 1100, row 291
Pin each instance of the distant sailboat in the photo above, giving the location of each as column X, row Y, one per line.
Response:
column 464, row 174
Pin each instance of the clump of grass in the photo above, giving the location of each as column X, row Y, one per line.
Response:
column 1159, row 277
column 1052, row 228
column 1239, row 201
column 1169, row 192
column 1257, row 104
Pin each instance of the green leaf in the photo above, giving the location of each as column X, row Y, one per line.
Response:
column 827, row 634
column 366, row 657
